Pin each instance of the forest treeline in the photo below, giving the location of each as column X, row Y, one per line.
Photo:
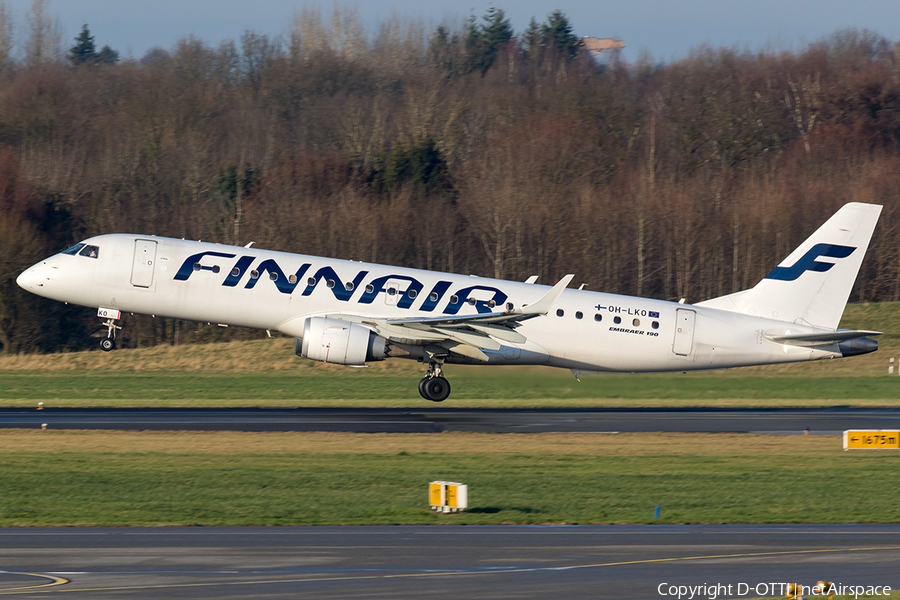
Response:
column 466, row 147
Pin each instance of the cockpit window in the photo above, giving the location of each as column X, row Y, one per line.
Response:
column 90, row 251
column 74, row 249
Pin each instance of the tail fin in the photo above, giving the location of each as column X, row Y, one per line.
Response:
column 805, row 289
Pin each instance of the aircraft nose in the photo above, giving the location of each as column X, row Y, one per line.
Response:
column 30, row 279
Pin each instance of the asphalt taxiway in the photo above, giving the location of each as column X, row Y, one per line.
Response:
column 430, row 420
column 442, row 561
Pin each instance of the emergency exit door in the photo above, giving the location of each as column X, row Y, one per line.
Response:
column 144, row 263
column 684, row 332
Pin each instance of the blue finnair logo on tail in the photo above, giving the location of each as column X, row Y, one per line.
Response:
column 808, row 262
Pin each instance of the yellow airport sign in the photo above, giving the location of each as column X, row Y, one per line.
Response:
column 436, row 493
column 448, row 496
column 872, row 439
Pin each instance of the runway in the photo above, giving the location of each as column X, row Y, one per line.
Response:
column 429, row 420
column 441, row 562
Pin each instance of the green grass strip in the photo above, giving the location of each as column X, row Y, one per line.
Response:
column 491, row 387
column 154, row 488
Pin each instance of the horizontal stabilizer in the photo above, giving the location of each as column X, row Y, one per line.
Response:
column 802, row 339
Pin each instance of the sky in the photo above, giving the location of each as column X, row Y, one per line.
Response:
column 666, row 29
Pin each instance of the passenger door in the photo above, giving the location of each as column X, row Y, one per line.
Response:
column 144, row 259
column 684, row 332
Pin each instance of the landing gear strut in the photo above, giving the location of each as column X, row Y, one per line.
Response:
column 434, row 386
column 109, row 342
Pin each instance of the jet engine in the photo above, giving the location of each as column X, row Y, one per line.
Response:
column 339, row 342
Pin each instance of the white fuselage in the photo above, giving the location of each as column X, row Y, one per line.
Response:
column 250, row 287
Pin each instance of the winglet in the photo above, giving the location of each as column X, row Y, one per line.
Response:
column 542, row 306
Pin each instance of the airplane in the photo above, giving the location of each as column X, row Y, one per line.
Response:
column 351, row 313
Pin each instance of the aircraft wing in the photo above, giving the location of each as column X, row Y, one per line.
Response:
column 467, row 334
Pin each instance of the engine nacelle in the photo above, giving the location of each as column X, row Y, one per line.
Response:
column 339, row 342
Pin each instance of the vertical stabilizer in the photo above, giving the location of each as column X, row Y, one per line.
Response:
column 812, row 284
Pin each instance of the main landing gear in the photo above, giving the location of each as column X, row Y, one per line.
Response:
column 434, row 386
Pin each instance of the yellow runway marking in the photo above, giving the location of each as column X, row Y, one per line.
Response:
column 34, row 589
column 54, row 581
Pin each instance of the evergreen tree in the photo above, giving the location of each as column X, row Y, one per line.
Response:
column 108, row 56
column 484, row 42
column 84, row 50
column 530, row 42
column 557, row 34
column 496, row 30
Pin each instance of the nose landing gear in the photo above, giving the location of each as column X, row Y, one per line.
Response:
column 434, row 386
column 108, row 343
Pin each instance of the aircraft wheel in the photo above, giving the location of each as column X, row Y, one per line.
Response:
column 436, row 389
column 422, row 383
column 107, row 344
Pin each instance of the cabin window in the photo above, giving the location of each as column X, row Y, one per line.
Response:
column 370, row 289
column 235, row 272
column 579, row 315
column 636, row 322
column 197, row 266
column 330, row 283
column 90, row 251
column 560, row 312
column 454, row 299
column 392, row 291
column 491, row 303
column 74, row 249
column 412, row 294
column 216, row 269
column 254, row 274
column 617, row 320
column 349, row 286
column 598, row 317
column 292, row 279
column 273, row 275
column 510, row 306
column 472, row 301
column 655, row 324
column 311, row 281
column 433, row 297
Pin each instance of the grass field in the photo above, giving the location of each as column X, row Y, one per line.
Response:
column 266, row 373
column 126, row 478
column 501, row 387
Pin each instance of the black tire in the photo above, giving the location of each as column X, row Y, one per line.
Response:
column 422, row 388
column 437, row 389
column 107, row 344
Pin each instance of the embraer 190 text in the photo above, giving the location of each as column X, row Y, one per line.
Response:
column 350, row 313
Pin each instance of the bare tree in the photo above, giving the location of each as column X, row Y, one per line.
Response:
column 44, row 42
column 6, row 35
